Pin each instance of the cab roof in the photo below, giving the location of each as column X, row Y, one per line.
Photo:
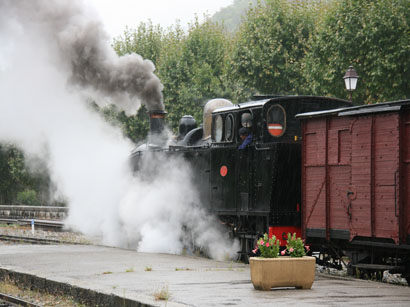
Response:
column 261, row 103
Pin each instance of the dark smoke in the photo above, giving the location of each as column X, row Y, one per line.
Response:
column 83, row 47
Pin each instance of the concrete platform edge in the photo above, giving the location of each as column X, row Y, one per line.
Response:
column 84, row 296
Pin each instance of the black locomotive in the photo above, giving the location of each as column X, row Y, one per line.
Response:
column 257, row 189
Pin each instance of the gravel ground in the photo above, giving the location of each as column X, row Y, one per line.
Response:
column 65, row 236
column 395, row 279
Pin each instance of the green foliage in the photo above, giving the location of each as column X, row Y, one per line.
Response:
column 16, row 181
column 269, row 248
column 373, row 36
column 28, row 198
column 12, row 173
column 269, row 47
column 147, row 41
column 295, row 246
column 135, row 127
column 192, row 70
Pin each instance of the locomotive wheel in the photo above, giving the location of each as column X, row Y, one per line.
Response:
column 247, row 245
column 244, row 257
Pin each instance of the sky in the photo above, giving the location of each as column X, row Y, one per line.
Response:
column 120, row 13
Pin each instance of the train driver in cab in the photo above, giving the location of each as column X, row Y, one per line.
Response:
column 245, row 131
column 246, row 137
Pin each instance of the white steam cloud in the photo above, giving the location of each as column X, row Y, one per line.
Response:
column 52, row 55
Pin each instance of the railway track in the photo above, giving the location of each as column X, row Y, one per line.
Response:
column 32, row 240
column 39, row 241
column 41, row 224
column 8, row 301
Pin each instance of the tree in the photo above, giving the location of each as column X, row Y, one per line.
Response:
column 373, row 36
column 10, row 169
column 270, row 46
column 135, row 127
column 193, row 69
column 146, row 40
column 17, row 182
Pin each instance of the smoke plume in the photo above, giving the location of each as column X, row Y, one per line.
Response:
column 53, row 56
column 82, row 45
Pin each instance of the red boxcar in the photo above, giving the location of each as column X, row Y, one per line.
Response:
column 356, row 182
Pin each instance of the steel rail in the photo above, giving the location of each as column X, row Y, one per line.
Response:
column 16, row 300
column 42, row 224
column 33, row 240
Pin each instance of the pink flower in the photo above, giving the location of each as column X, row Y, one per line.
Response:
column 283, row 252
column 255, row 250
column 261, row 242
column 291, row 249
column 307, row 247
column 267, row 244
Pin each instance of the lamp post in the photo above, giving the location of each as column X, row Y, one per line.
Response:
column 351, row 78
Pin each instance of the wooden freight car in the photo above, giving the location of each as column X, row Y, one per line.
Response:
column 356, row 184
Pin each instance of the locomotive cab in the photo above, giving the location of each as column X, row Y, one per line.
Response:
column 257, row 189
column 249, row 187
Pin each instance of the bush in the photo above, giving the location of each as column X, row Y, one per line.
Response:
column 269, row 248
column 28, row 197
column 295, row 246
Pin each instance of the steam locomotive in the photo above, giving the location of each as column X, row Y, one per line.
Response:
column 334, row 174
column 255, row 190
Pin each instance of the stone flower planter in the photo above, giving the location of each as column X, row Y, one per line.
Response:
column 267, row 273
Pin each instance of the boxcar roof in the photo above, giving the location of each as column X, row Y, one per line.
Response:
column 358, row 110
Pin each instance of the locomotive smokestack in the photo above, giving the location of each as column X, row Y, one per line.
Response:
column 156, row 121
column 156, row 126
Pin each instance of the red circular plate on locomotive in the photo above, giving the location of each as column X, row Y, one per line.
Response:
column 275, row 129
column 223, row 171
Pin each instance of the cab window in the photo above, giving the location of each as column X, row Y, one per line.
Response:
column 229, row 128
column 276, row 120
column 218, row 128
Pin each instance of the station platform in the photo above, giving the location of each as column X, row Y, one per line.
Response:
column 118, row 277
